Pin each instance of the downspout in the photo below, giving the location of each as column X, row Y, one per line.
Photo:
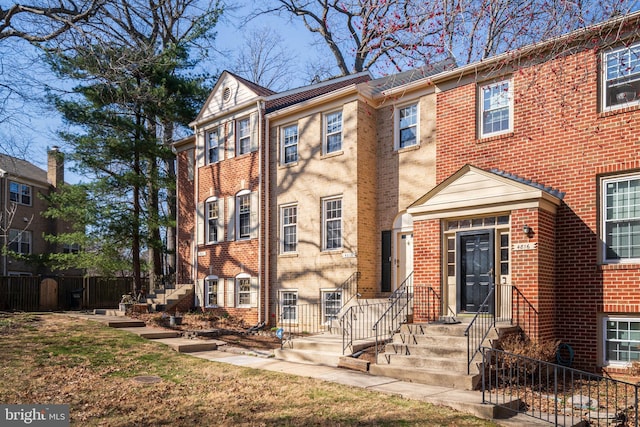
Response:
column 266, row 220
column 5, row 237
column 260, row 181
column 194, row 237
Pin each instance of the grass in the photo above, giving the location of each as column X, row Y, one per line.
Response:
column 54, row 359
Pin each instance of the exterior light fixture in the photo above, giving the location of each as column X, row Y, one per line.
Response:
column 527, row 230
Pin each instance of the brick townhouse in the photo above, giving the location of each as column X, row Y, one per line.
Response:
column 222, row 188
column 22, row 225
column 539, row 191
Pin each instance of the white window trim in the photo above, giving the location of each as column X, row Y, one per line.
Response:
column 326, row 134
column 603, row 81
column 323, row 293
column 215, row 130
column 289, row 291
column 603, row 339
column 18, row 240
column 603, row 219
column 324, row 223
column 396, row 125
column 237, row 214
column 206, row 290
column 239, row 277
column 239, row 152
column 282, row 228
column 20, row 189
column 480, row 108
column 283, row 157
column 220, row 227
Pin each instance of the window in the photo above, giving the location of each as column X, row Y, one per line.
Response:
column 214, row 232
column 211, row 285
column 70, row 248
column 621, row 71
column 289, row 305
column 20, row 241
column 332, row 220
column 244, row 291
column 333, row 132
column 407, row 125
column 495, row 108
column 244, row 216
column 290, row 144
column 331, row 304
column 213, row 146
column 621, row 218
column 20, row 193
column 289, row 215
column 622, row 340
column 244, row 136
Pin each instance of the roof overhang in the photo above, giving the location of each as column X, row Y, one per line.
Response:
column 473, row 191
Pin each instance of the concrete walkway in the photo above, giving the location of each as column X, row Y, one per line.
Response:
column 469, row 402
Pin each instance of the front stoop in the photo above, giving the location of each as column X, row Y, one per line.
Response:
column 432, row 354
column 322, row 349
column 166, row 299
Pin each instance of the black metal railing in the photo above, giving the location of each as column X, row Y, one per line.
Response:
column 302, row 320
column 555, row 393
column 435, row 306
column 349, row 289
column 399, row 310
column 523, row 313
column 480, row 326
column 357, row 323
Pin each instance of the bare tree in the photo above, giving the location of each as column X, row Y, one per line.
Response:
column 392, row 35
column 44, row 20
column 265, row 60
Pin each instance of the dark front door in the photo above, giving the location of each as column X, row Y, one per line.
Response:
column 385, row 285
column 476, row 261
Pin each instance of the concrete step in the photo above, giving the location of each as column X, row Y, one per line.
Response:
column 456, row 342
column 151, row 333
column 126, row 323
column 427, row 376
column 434, row 363
column 457, row 353
column 108, row 312
column 185, row 345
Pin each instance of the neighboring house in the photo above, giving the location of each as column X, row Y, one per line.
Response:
column 21, row 222
column 519, row 173
column 226, row 248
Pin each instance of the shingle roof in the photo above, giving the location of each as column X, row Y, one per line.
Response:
column 285, row 99
column 516, row 178
column 21, row 168
column 378, row 86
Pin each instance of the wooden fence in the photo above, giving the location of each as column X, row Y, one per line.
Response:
column 36, row 293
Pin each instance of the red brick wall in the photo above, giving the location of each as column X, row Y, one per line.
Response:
column 186, row 216
column 561, row 140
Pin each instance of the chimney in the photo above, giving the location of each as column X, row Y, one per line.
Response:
column 55, row 167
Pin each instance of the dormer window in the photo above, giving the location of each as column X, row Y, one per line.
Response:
column 621, row 79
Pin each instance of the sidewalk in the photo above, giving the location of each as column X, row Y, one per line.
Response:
column 469, row 402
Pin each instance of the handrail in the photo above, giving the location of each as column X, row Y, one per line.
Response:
column 477, row 332
column 396, row 314
column 355, row 277
column 432, row 294
column 356, row 323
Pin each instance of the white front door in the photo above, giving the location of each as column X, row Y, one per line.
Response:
column 404, row 257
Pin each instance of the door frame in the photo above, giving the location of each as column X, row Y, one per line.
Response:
column 460, row 285
column 403, row 224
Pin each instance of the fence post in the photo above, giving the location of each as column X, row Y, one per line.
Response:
column 555, row 392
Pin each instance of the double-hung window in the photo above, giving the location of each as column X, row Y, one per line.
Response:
column 407, row 125
column 213, row 221
column 621, row 340
column 244, row 136
column 333, row 132
column 289, row 306
column 212, row 290
column 244, row 216
column 213, row 146
column 621, row 218
column 290, row 144
column 331, row 304
column 244, row 291
column 621, row 77
column 332, row 224
column 20, row 241
column 20, row 193
column 496, row 108
column 289, row 231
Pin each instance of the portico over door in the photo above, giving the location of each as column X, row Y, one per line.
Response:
column 476, row 261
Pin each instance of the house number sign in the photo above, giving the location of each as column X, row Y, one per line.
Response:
column 524, row 246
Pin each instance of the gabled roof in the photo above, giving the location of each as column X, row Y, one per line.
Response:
column 259, row 90
column 304, row 93
column 471, row 190
column 22, row 169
